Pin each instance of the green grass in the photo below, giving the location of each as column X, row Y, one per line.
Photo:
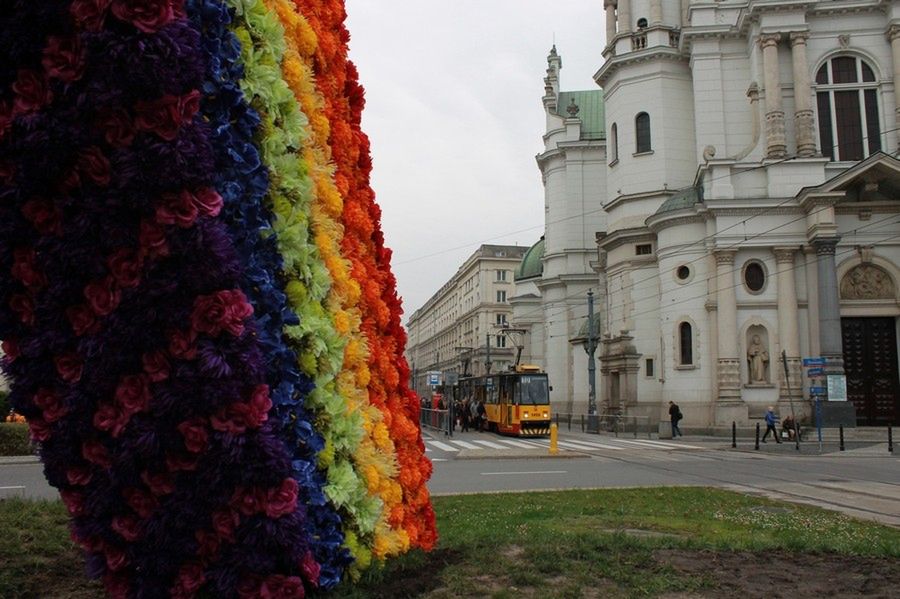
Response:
column 557, row 544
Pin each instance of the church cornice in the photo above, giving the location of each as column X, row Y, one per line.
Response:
column 685, row 216
column 619, row 238
column 612, row 65
column 625, row 198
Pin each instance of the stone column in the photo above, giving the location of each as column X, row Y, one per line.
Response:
column 610, row 6
column 729, row 367
column 830, row 342
column 776, row 146
column 803, row 114
column 624, row 15
column 656, row 12
column 788, row 332
column 894, row 36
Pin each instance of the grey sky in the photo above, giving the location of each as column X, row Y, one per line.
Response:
column 453, row 110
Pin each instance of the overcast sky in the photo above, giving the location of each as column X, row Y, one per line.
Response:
column 453, row 110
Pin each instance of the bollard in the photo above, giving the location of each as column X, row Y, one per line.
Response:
column 553, row 439
column 841, row 430
column 733, row 434
column 890, row 439
column 756, row 447
column 557, row 418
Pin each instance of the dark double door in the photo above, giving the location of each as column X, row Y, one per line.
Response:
column 870, row 362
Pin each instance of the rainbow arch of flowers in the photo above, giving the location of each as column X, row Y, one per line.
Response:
column 197, row 310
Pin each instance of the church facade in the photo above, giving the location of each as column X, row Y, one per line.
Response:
column 730, row 194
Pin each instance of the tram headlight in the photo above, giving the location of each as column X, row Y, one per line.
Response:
column 546, row 415
column 526, row 415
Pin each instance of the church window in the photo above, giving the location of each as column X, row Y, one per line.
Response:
column 648, row 367
column 642, row 132
column 614, row 144
column 754, row 276
column 685, row 344
column 501, row 340
column 643, row 249
column 847, row 102
column 683, row 273
column 642, row 23
column 501, row 296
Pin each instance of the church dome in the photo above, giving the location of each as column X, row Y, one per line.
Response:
column 531, row 264
column 683, row 198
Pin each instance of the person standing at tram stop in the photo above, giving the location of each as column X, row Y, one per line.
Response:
column 675, row 416
column 771, row 420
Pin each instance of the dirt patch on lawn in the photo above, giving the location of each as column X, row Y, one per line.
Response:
column 782, row 574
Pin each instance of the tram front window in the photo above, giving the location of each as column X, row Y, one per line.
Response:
column 533, row 390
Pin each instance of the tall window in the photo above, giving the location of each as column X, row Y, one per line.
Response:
column 847, row 99
column 501, row 296
column 501, row 319
column 686, row 344
column 501, row 275
column 613, row 143
column 642, row 132
column 501, row 341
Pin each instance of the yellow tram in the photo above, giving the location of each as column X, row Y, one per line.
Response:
column 516, row 402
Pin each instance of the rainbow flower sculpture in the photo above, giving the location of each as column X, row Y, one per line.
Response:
column 196, row 305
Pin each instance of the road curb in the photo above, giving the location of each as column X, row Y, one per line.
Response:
column 19, row 459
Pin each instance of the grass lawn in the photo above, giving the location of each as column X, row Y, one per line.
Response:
column 669, row 542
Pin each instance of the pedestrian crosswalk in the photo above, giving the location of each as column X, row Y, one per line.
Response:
column 602, row 444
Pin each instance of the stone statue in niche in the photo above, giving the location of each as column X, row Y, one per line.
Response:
column 867, row 282
column 758, row 357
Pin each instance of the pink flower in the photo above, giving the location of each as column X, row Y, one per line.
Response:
column 224, row 310
column 311, row 568
column 141, row 502
column 44, row 216
column 63, row 58
column 79, row 475
column 260, row 404
column 152, row 240
column 233, row 419
column 147, row 15
column 118, row 128
column 25, row 268
column 115, row 558
column 23, row 306
column 39, row 429
column 208, row 201
column 103, row 296
column 74, row 502
column 31, row 91
column 109, row 417
column 10, row 348
column 248, row 501
column 82, row 319
column 160, row 483
column 283, row 500
column 125, row 266
column 182, row 345
column 128, row 527
column 69, row 366
column 89, row 14
column 96, row 453
column 177, row 209
column 224, row 522
column 50, row 403
column 194, row 433
column 94, row 165
column 133, row 393
column 156, row 365
column 164, row 116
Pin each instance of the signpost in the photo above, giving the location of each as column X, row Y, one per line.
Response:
column 816, row 372
column 837, row 387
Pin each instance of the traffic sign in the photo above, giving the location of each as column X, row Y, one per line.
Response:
column 817, row 390
column 816, row 371
column 434, row 378
column 817, row 361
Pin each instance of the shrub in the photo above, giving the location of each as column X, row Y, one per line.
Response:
column 14, row 439
column 4, row 404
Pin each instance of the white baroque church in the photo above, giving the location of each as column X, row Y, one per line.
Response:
column 730, row 194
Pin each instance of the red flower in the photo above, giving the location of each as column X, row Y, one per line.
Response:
column 32, row 91
column 177, row 209
column 182, row 345
column 6, row 118
column 224, row 310
column 208, row 201
column 128, row 527
column 74, row 502
column 79, row 475
column 141, row 502
column 224, row 522
column 103, row 296
column 177, row 462
column 260, row 404
column 207, row 544
column 152, row 239
column 96, row 453
column 22, row 305
column 311, row 568
column 248, row 501
column 109, row 417
column 133, row 393
column 89, row 14
column 117, row 127
column 117, row 586
column 194, row 433
column 164, row 116
column 115, row 558
column 160, row 483
column 290, row 587
column 147, row 15
column 283, row 500
column 25, row 268
column 125, row 266
column 63, row 58
column 190, row 579
column 10, row 348
column 43, row 215
column 82, row 319
column 156, row 365
column 39, row 429
column 95, row 165
column 69, row 367
column 234, row 419
column 50, row 403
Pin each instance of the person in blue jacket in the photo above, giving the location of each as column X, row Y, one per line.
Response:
column 771, row 419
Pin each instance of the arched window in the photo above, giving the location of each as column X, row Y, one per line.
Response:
column 686, row 344
column 613, row 143
column 642, row 23
column 847, row 99
column 642, row 132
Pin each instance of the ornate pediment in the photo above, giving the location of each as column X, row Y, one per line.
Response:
column 867, row 282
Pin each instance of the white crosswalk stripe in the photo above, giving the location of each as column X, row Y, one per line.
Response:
column 465, row 445
column 490, row 444
column 442, row 446
column 661, row 450
column 657, row 444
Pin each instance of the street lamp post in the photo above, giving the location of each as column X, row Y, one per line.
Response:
column 593, row 421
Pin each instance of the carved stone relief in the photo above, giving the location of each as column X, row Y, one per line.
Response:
column 867, row 282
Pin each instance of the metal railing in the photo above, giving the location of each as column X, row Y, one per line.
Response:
column 438, row 420
column 608, row 423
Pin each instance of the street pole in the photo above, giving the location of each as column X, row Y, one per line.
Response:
column 487, row 362
column 593, row 424
column 787, row 381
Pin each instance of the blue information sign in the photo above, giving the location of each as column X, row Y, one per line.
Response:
column 819, row 361
column 816, row 371
column 434, row 378
column 817, row 390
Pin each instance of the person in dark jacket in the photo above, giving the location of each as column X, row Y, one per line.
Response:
column 771, row 420
column 675, row 416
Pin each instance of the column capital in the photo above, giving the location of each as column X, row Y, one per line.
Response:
column 610, row 3
column 825, row 246
column 798, row 38
column 893, row 32
column 784, row 255
column 725, row 256
column 769, row 39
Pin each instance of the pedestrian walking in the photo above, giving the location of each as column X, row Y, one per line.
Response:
column 675, row 416
column 464, row 415
column 771, row 420
column 481, row 416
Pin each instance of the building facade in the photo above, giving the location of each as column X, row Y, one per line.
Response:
column 734, row 210
column 460, row 328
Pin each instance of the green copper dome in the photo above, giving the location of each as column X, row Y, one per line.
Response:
column 531, row 265
column 683, row 198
